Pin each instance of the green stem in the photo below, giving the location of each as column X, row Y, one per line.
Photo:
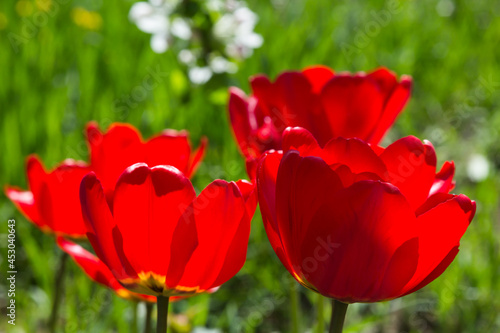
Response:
column 294, row 306
column 58, row 291
column 162, row 308
column 147, row 324
column 134, row 317
column 339, row 310
column 320, row 319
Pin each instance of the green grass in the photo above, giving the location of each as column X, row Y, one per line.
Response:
column 63, row 76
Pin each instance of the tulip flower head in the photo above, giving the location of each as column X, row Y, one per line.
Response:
column 328, row 105
column 161, row 239
column 360, row 223
column 53, row 203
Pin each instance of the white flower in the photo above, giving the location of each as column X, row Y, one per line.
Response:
column 181, row 29
column 478, row 168
column 236, row 31
column 152, row 17
column 222, row 65
column 187, row 57
column 159, row 43
column 200, row 75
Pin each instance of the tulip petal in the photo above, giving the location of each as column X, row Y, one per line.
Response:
column 36, row 174
column 169, row 148
column 197, row 157
column 25, row 203
column 443, row 265
column 113, row 151
column 353, row 235
column 411, row 166
column 146, row 208
column 440, row 230
column 355, row 154
column 294, row 93
column 352, row 105
column 386, row 80
column 393, row 107
column 218, row 213
column 298, row 199
column 249, row 193
column 90, row 264
column 267, row 173
column 443, row 183
column 243, row 122
column 300, row 139
column 100, row 225
column 318, row 76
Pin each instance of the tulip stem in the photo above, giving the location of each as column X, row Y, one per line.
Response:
column 58, row 288
column 134, row 317
column 339, row 310
column 320, row 318
column 147, row 324
column 294, row 306
column 162, row 308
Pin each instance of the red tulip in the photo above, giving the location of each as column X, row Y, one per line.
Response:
column 53, row 203
column 360, row 223
column 160, row 238
column 122, row 145
column 328, row 105
column 50, row 204
column 98, row 271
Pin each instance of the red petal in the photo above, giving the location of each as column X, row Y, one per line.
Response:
column 36, row 174
column 242, row 122
column 266, row 188
column 100, row 225
column 394, row 104
column 443, row 265
column 262, row 89
column 411, row 166
column 90, row 264
column 355, row 154
column 400, row 270
column 302, row 185
column 197, row 157
column 386, row 80
column 295, row 98
column 300, row 139
column 25, row 203
column 223, row 225
column 249, row 193
column 443, row 183
column 56, row 197
column 147, row 206
column 352, row 105
column 353, row 237
column 112, row 152
column 169, row 148
column 440, row 230
column 318, row 76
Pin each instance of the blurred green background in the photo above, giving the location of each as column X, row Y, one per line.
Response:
column 68, row 70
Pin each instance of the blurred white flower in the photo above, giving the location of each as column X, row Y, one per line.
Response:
column 234, row 30
column 200, row 75
column 222, row 65
column 152, row 17
column 187, row 57
column 478, row 168
column 181, row 29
